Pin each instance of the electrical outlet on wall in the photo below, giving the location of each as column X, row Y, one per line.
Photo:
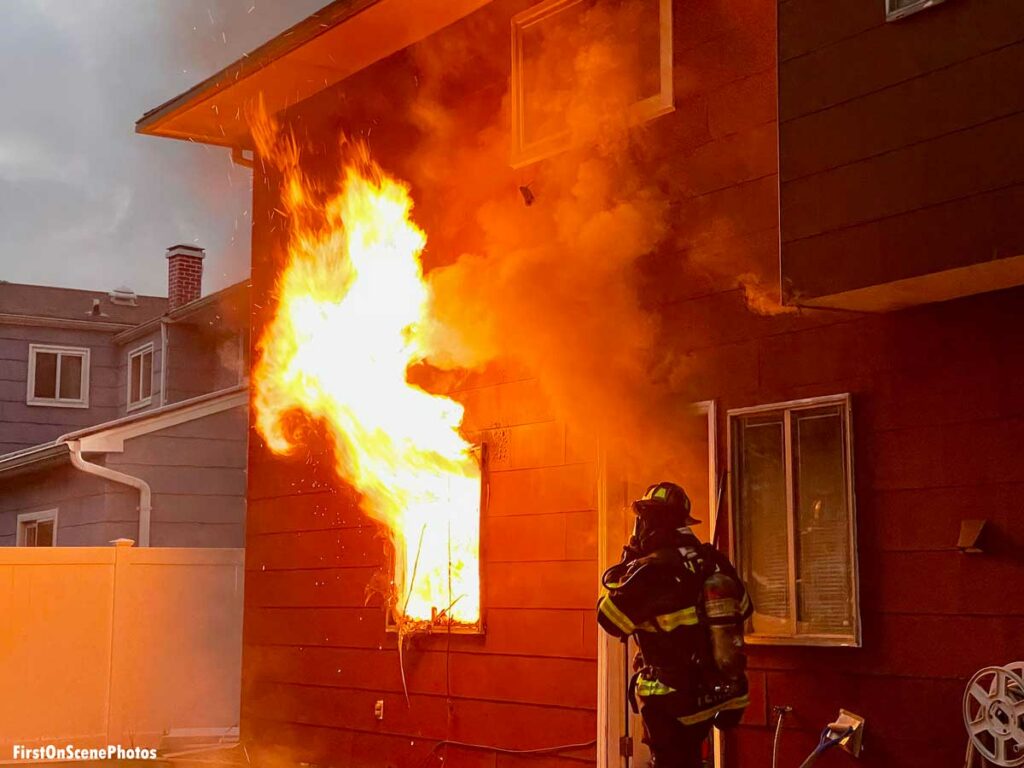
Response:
column 378, row 709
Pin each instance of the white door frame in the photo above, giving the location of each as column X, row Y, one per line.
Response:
column 611, row 693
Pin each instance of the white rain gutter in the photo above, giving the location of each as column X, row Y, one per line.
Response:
column 164, row 356
column 145, row 494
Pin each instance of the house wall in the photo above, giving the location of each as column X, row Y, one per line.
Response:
column 316, row 656
column 937, row 412
column 122, row 352
column 937, row 416
column 196, row 472
column 899, row 155
column 202, row 360
column 23, row 425
column 90, row 511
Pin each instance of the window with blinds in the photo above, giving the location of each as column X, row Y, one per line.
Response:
column 897, row 9
column 792, row 491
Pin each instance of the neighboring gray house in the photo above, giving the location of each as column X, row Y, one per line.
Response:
column 124, row 415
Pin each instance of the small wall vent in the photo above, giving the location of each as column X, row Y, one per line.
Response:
column 898, row 9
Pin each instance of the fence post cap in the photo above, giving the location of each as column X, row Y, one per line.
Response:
column 123, row 542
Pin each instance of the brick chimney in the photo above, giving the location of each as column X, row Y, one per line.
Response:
column 184, row 274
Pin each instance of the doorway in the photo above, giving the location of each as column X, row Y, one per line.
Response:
column 619, row 729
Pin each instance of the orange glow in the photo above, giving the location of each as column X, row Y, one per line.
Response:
column 351, row 301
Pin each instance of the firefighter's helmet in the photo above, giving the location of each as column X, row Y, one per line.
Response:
column 664, row 505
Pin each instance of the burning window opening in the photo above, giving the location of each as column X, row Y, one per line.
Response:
column 350, row 303
column 443, row 618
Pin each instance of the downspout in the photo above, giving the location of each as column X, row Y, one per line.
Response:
column 145, row 494
column 164, row 354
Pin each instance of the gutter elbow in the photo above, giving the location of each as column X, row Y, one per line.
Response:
column 97, row 470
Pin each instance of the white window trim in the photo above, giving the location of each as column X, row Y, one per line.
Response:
column 854, row 639
column 56, row 402
column 138, row 352
column 892, row 13
column 35, row 517
column 646, row 109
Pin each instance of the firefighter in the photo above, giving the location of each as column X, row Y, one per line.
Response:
column 685, row 606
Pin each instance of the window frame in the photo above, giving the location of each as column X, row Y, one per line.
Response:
column 893, row 13
column 787, row 408
column 139, row 352
column 26, row 518
column 654, row 106
column 60, row 351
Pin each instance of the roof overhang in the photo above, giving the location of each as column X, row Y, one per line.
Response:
column 332, row 44
column 63, row 323
column 185, row 312
column 33, row 459
column 109, row 437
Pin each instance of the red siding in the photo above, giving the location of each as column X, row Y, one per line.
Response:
column 938, row 418
column 896, row 141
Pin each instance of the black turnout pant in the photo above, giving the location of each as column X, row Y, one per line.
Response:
column 672, row 744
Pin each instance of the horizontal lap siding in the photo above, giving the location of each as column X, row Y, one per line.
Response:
column 316, row 655
column 197, row 473
column 897, row 141
column 930, row 387
column 938, row 421
column 23, row 425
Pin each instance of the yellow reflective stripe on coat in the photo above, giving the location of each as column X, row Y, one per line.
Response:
column 683, row 617
column 645, row 687
column 617, row 617
column 740, row 702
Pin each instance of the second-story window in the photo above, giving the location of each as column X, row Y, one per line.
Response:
column 576, row 63
column 140, row 377
column 58, row 376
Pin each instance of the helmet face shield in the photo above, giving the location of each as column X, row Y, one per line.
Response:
column 665, row 506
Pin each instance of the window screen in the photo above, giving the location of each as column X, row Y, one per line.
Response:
column 897, row 9
column 58, row 376
column 764, row 531
column 140, row 376
column 46, row 375
column 37, row 531
column 793, row 509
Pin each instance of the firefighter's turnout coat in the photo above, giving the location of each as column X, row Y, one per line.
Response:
column 656, row 594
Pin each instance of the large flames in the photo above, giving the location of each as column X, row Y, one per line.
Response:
column 351, row 301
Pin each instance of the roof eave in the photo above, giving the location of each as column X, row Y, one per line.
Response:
column 31, row 459
column 153, row 122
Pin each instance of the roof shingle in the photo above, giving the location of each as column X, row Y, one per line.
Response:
column 74, row 304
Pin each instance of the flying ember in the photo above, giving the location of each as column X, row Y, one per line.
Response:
column 350, row 301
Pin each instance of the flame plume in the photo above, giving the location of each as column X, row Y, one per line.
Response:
column 351, row 300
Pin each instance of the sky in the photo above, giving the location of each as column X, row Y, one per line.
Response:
column 84, row 201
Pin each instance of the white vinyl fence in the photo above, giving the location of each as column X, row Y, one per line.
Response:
column 117, row 645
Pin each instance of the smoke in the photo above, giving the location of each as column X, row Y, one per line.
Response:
column 550, row 265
